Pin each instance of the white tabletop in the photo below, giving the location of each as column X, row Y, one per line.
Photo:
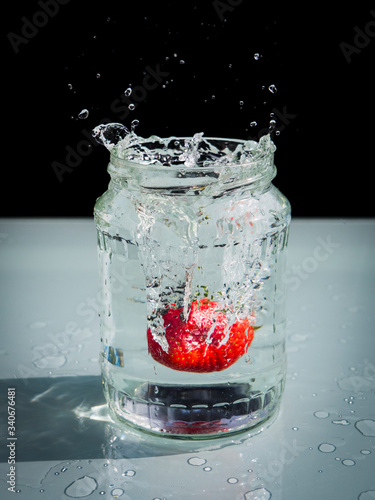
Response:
column 322, row 444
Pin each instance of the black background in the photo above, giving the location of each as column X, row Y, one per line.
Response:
column 324, row 103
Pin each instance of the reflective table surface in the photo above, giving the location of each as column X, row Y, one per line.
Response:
column 66, row 445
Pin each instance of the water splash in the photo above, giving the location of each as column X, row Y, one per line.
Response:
column 196, row 151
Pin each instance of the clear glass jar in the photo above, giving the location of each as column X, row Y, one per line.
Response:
column 192, row 263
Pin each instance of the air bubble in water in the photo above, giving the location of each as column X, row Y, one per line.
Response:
column 256, row 56
column 241, row 103
column 128, row 91
column 82, row 115
column 272, row 88
column 253, row 124
column 131, row 106
column 182, row 61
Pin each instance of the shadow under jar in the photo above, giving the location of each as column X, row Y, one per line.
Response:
column 192, row 247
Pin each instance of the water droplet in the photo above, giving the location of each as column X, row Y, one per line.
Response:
column 128, row 91
column 321, row 414
column 348, row 462
column 82, row 115
column 367, row 495
column 134, row 124
column 129, row 473
column 182, row 61
column 98, row 75
column 258, row 494
column 64, row 469
column 272, row 124
column 102, row 492
column 117, row 492
column 42, row 491
column 196, row 461
column 295, row 429
column 320, row 471
column 366, row 427
column 253, row 124
column 272, row 88
column 207, row 469
column 326, row 448
column 256, row 56
column 81, row 487
column 241, row 103
column 365, row 452
column 343, row 421
column 131, row 106
column 232, row 480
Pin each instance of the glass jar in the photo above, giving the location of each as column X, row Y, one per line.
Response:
column 192, row 236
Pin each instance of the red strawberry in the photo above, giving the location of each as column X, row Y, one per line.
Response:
column 195, row 344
